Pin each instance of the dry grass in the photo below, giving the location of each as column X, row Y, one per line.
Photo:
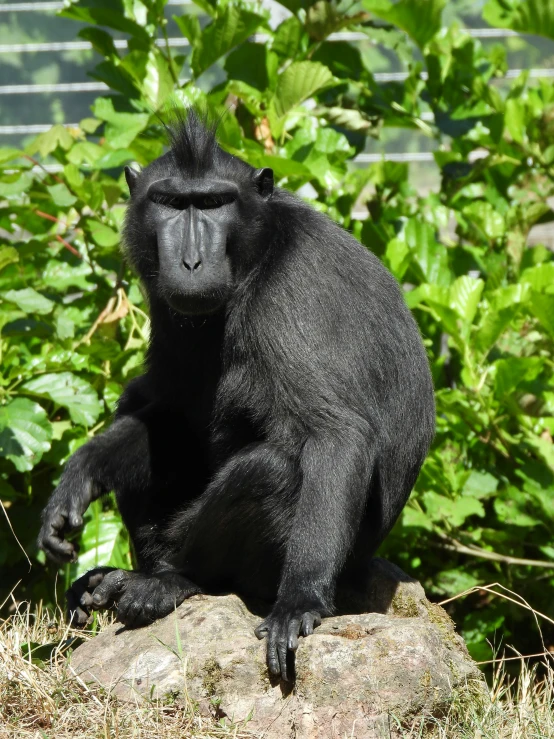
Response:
column 43, row 700
column 40, row 698
column 520, row 708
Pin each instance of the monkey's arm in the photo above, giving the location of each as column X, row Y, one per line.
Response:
column 336, row 470
column 121, row 453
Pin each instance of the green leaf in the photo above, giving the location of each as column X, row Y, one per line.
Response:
column 65, row 327
column 455, row 512
column 25, row 433
column 511, row 373
column 541, row 277
column 102, row 235
column 503, row 306
column 526, row 16
column 297, row 83
column 16, row 184
column 398, row 257
column 8, row 255
column 71, row 392
column 101, row 41
column 103, row 542
column 157, row 82
column 486, row 218
column 465, row 294
column 29, row 300
column 48, row 142
column 515, row 508
column 515, row 119
column 85, row 152
column 350, row 119
column 110, row 13
column 253, row 64
column 122, row 128
column 286, row 40
column 189, row 26
column 113, row 159
column 421, row 19
column 231, row 28
column 61, row 275
column 415, row 518
column 480, row 484
column 429, row 254
column 61, row 195
column 543, row 309
column 8, row 154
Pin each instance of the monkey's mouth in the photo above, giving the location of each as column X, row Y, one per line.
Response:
column 198, row 302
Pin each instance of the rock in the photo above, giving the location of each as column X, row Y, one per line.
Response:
column 395, row 657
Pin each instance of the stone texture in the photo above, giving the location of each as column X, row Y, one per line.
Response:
column 394, row 657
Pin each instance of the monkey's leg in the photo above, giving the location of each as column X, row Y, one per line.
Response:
column 232, row 535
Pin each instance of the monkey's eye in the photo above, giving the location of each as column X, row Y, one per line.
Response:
column 177, row 202
column 207, row 202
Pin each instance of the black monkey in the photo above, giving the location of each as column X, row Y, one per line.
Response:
column 285, row 412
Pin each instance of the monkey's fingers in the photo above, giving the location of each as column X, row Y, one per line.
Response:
column 293, row 633
column 277, row 652
column 109, row 590
column 52, row 541
column 262, row 630
column 310, row 621
column 78, row 613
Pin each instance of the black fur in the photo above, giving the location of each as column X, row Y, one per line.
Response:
column 285, row 412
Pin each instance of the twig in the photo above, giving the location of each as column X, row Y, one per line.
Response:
column 15, row 537
column 170, row 62
column 38, row 164
column 68, row 246
column 522, row 603
column 47, row 216
column 508, row 659
column 100, row 319
column 62, row 241
column 456, row 546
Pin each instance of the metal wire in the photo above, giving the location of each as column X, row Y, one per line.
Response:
column 53, row 46
column 77, row 45
column 57, row 87
column 425, row 156
column 48, row 6
column 101, row 87
column 27, row 128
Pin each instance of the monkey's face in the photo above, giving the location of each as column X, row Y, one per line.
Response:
column 192, row 237
column 193, row 222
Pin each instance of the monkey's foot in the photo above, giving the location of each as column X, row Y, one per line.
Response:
column 282, row 629
column 79, row 595
column 141, row 598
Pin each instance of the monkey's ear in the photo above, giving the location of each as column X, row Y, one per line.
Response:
column 263, row 179
column 131, row 175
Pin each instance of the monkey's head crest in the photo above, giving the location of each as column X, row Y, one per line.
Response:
column 197, row 217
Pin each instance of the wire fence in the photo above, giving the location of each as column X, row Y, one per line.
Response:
column 58, row 46
column 179, row 42
column 55, row 6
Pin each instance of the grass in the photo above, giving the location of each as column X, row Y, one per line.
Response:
column 41, row 699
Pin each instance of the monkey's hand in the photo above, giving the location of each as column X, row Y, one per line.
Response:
column 141, row 598
column 282, row 628
column 64, row 513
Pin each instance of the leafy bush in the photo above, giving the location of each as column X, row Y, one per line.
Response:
column 74, row 323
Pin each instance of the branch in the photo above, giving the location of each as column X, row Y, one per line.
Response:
column 68, row 246
column 38, row 164
column 455, row 546
column 65, row 243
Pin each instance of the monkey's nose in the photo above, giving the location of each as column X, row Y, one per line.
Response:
column 192, row 267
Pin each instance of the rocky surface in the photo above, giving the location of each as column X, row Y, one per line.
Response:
column 393, row 658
